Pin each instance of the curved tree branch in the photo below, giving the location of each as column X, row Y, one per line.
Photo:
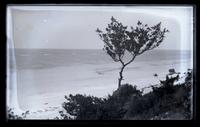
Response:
column 130, row 60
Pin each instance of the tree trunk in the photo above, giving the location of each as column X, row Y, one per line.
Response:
column 122, row 69
column 121, row 76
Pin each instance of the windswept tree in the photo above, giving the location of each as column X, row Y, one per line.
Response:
column 119, row 40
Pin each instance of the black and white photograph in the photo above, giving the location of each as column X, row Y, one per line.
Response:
column 99, row 62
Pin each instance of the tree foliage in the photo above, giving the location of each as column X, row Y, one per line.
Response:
column 119, row 39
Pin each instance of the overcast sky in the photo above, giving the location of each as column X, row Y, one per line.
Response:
column 73, row 27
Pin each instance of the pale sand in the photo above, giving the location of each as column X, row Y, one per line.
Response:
column 42, row 91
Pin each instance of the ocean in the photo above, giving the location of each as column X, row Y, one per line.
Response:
column 50, row 58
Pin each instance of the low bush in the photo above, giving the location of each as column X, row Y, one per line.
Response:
column 127, row 102
column 82, row 106
column 89, row 107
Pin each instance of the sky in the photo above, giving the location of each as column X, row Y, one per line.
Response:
column 73, row 27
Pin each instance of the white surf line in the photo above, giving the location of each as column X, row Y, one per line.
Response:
column 11, row 79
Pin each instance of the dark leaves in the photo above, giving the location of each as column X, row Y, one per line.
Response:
column 98, row 30
column 142, row 38
column 139, row 23
column 128, row 102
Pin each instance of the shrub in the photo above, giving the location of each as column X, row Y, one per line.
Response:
column 127, row 102
column 12, row 116
column 166, row 98
column 124, row 93
column 89, row 107
column 82, row 106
